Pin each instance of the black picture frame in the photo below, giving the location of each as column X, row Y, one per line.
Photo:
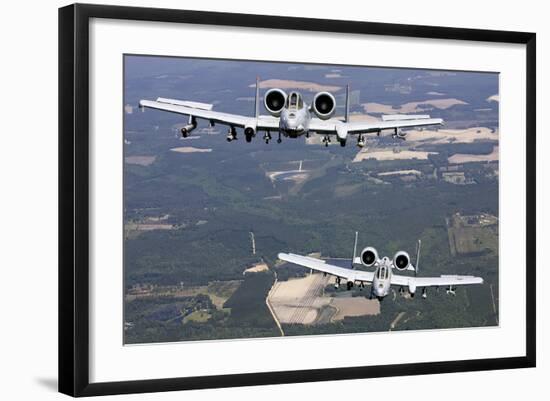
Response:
column 74, row 198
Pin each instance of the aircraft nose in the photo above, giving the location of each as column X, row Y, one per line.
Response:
column 290, row 123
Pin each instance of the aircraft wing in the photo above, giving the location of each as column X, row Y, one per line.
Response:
column 444, row 280
column 322, row 266
column 204, row 111
column 332, row 126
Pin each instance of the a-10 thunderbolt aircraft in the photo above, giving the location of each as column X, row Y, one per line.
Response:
column 291, row 117
column 383, row 277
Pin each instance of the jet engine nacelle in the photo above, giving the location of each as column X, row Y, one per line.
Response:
column 369, row 256
column 274, row 101
column 401, row 260
column 323, row 105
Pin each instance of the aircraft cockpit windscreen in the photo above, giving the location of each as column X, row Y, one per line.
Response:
column 295, row 101
column 382, row 273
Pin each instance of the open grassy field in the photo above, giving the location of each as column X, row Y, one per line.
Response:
column 218, row 291
column 466, row 239
column 354, row 306
column 199, row 316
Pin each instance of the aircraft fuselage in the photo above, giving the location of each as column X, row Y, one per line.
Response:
column 381, row 282
column 294, row 123
column 294, row 117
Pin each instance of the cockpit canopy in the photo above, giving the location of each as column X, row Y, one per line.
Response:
column 382, row 272
column 294, row 101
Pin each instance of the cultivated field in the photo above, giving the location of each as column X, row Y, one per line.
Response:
column 400, row 172
column 465, row 158
column 443, row 136
column 190, row 149
column 357, row 306
column 289, row 84
column 302, row 301
column 217, row 291
column 140, row 160
column 439, row 137
column 299, row 300
column 136, row 227
column 259, row 267
column 411, row 107
column 199, row 316
column 390, row 154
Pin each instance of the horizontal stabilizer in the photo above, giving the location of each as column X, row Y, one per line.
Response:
column 186, row 103
column 401, row 117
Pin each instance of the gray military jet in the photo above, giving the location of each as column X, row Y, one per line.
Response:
column 383, row 277
column 291, row 117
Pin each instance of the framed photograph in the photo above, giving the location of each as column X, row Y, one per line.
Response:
column 251, row 199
